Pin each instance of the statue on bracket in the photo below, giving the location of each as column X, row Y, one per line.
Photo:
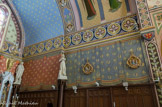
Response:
column 62, row 71
column 19, row 73
column 114, row 5
column 90, row 9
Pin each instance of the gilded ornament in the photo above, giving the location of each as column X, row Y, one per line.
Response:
column 87, row 68
column 133, row 61
column 9, row 63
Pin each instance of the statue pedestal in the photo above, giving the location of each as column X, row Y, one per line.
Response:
column 62, row 77
column 61, row 85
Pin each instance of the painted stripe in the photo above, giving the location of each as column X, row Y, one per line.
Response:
column 127, row 5
column 101, row 10
column 81, row 23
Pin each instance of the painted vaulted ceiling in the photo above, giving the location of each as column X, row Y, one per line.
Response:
column 41, row 19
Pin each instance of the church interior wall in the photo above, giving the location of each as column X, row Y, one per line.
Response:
column 109, row 64
column 100, row 58
column 40, row 72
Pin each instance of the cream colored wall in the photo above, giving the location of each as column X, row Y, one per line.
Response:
column 152, row 3
column 89, row 23
column 121, row 12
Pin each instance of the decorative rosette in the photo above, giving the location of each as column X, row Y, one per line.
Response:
column 128, row 24
column 87, row 36
column 67, row 41
column 57, row 42
column 26, row 51
column 113, row 28
column 100, row 32
column 48, row 45
column 33, row 49
column 40, row 47
column 76, row 39
column 5, row 46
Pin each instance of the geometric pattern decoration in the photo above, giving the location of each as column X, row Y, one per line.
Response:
column 109, row 63
column 7, row 48
column 11, row 35
column 43, row 46
column 157, row 17
column 143, row 13
column 41, row 19
column 114, row 28
column 67, row 15
column 4, row 20
column 40, row 73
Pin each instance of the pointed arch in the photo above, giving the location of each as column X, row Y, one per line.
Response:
column 5, row 14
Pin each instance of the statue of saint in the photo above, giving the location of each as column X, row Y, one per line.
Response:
column 19, row 73
column 62, row 71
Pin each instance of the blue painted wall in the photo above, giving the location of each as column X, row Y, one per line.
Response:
column 41, row 19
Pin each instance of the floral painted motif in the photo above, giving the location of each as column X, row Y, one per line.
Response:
column 33, row 49
column 40, row 47
column 87, row 36
column 113, row 28
column 48, row 45
column 100, row 32
column 67, row 41
column 128, row 24
column 76, row 39
column 57, row 42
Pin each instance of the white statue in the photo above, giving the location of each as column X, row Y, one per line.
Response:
column 19, row 73
column 62, row 71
